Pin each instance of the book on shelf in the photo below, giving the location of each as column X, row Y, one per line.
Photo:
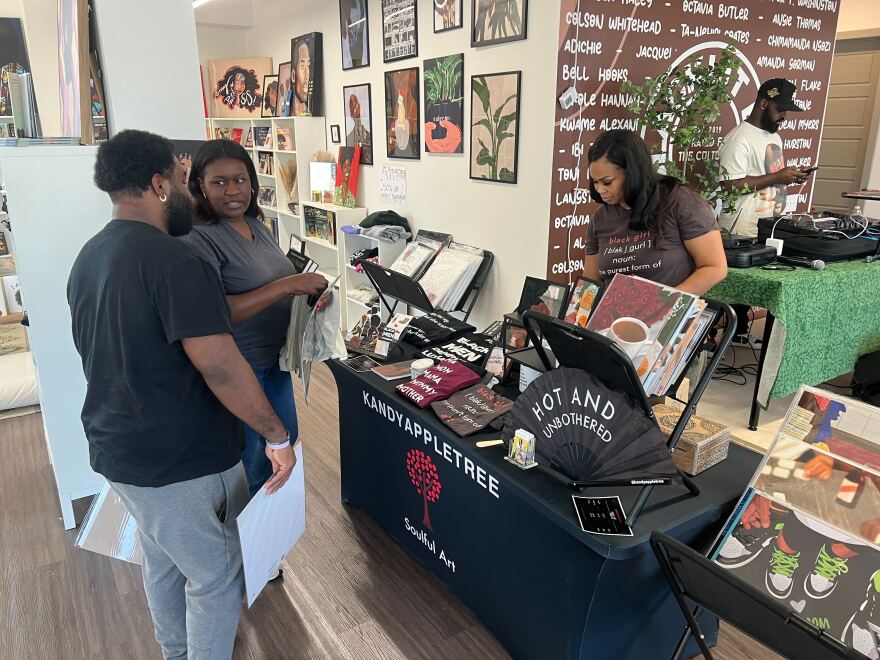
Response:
column 320, row 224
column 651, row 324
column 266, row 196
column 262, row 137
column 266, row 163
column 236, row 135
column 249, row 140
column 283, row 139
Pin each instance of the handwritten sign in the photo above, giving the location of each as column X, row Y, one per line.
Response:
column 392, row 184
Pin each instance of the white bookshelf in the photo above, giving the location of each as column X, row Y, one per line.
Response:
column 308, row 135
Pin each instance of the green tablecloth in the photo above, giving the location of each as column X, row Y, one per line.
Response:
column 824, row 320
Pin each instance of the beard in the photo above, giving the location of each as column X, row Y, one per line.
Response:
column 179, row 214
column 767, row 123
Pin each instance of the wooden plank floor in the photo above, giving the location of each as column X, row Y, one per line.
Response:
column 349, row 591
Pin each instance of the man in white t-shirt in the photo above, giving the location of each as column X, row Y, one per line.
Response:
column 752, row 156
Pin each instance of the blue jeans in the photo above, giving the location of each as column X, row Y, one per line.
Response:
column 278, row 388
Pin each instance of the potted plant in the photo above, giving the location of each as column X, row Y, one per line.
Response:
column 443, row 93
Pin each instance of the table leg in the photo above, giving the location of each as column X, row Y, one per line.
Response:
column 756, row 411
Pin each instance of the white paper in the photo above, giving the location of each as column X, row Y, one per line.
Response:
column 270, row 526
column 392, row 184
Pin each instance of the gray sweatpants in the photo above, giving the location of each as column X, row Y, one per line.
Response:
column 192, row 561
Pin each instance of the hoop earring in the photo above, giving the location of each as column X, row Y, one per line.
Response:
column 163, row 198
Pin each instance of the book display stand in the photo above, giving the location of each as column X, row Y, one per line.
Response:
column 573, row 346
column 401, row 288
column 694, row 577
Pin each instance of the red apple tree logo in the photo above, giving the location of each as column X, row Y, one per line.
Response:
column 423, row 474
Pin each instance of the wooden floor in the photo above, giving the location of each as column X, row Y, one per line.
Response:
column 349, row 591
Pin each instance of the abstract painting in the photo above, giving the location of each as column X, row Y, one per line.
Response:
column 497, row 21
column 495, row 126
column 444, row 104
column 359, row 120
column 354, row 27
column 402, row 113
column 447, row 15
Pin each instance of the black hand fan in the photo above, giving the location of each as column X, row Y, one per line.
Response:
column 590, row 433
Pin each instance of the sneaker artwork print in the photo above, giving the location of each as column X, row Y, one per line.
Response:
column 807, row 531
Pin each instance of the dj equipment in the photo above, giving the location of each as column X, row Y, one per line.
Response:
column 815, row 264
column 733, row 241
column 750, row 255
column 829, row 237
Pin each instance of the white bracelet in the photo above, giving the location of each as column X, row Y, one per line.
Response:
column 284, row 444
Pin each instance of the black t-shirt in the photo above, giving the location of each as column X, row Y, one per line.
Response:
column 150, row 418
column 434, row 328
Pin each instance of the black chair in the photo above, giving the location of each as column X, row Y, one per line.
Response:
column 691, row 576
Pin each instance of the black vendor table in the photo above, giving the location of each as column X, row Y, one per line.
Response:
column 507, row 542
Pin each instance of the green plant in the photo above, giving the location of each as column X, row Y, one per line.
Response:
column 442, row 82
column 497, row 124
column 684, row 104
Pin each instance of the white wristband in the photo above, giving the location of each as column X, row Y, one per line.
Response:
column 282, row 445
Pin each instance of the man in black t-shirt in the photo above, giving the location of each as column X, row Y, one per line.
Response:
column 166, row 387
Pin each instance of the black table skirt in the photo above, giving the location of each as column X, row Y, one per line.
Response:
column 507, row 542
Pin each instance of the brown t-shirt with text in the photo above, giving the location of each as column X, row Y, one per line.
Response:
column 660, row 258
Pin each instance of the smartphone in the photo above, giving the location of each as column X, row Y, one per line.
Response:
column 810, row 170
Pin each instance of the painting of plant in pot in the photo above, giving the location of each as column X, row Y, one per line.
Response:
column 444, row 104
column 495, row 102
column 402, row 113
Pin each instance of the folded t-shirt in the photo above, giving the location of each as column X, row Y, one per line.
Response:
column 437, row 383
column 473, row 349
column 434, row 328
column 471, row 410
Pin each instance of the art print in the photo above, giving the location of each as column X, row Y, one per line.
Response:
column 400, row 38
column 357, row 105
column 495, row 100
column 236, row 86
column 444, row 104
column 402, row 114
column 285, row 90
column 447, row 15
column 306, row 59
column 355, row 31
column 497, row 21
column 270, row 96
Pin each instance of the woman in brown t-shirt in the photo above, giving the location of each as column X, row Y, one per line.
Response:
column 648, row 225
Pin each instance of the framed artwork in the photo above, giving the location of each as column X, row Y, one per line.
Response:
column 495, row 126
column 270, row 95
column 494, row 22
column 359, row 120
column 447, row 15
column 285, row 86
column 236, row 86
column 542, row 296
column 334, row 134
column 354, row 26
column 306, row 71
column 400, row 35
column 444, row 104
column 402, row 113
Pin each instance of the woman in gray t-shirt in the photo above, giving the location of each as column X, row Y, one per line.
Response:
column 648, row 225
column 256, row 275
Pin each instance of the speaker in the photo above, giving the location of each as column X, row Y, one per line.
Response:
column 866, row 378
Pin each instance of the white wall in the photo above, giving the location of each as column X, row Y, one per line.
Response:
column 509, row 220
column 150, row 59
column 40, row 20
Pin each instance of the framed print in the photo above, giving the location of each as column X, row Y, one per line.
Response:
column 581, row 299
column 444, row 104
column 495, row 126
column 334, row 134
column 285, row 86
column 354, row 27
column 359, row 120
column 542, row 296
column 494, row 22
column 400, row 36
column 237, row 86
column 447, row 15
column 306, row 71
column 402, row 113
column 270, row 95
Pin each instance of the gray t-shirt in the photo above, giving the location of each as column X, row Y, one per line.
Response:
column 660, row 258
column 243, row 266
